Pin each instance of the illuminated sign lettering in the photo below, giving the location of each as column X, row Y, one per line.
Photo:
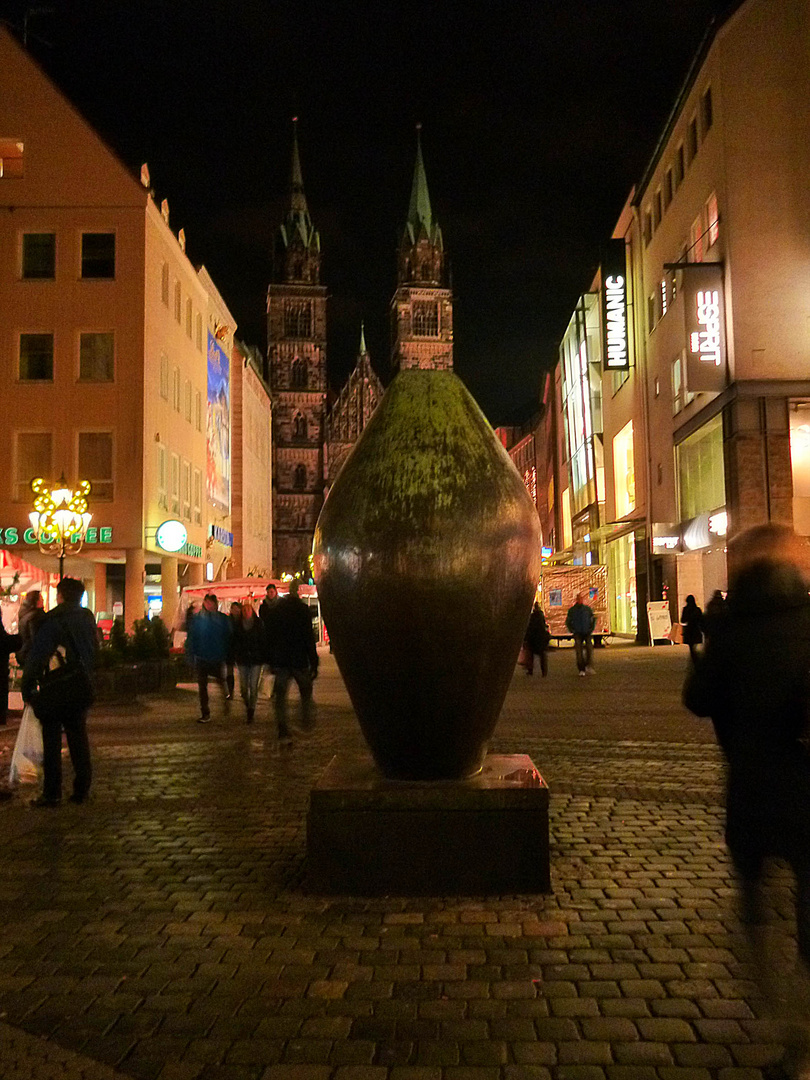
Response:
column 705, row 327
column 11, row 535
column 614, row 307
column 668, row 543
column 718, row 523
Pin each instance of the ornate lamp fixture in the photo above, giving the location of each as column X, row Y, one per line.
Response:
column 60, row 517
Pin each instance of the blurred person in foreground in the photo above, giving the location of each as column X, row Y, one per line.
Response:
column 753, row 680
column 296, row 657
column 209, row 642
column 537, row 641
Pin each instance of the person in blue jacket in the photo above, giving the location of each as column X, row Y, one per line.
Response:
column 208, row 643
column 581, row 620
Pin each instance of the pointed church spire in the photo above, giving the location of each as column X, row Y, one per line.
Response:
column 363, row 349
column 298, row 200
column 419, row 211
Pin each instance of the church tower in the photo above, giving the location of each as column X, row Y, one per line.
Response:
column 296, row 349
column 422, row 307
column 352, row 411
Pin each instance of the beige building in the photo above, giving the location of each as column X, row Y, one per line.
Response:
column 104, row 349
column 704, row 428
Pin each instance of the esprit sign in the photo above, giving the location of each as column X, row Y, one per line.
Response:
column 614, row 307
column 705, row 327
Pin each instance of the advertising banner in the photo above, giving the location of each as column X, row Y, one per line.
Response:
column 615, row 349
column 218, row 428
column 658, row 618
column 705, row 324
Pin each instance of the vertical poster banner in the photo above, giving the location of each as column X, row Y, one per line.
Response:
column 615, row 350
column 218, row 428
column 705, row 326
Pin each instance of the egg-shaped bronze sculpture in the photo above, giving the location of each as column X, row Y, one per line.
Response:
column 427, row 556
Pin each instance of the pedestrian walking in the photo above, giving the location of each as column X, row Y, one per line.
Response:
column 9, row 643
column 752, row 680
column 249, row 650
column 715, row 610
column 32, row 612
column 692, row 623
column 537, row 641
column 235, row 617
column 295, row 657
column 208, row 642
column 581, row 621
column 61, row 703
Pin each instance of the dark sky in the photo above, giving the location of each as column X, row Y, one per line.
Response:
column 537, row 119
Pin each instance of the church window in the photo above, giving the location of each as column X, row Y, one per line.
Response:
column 425, row 318
column 299, row 426
column 298, row 319
column 298, row 373
column 426, row 273
column 300, row 477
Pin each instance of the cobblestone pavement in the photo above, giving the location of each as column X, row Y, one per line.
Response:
column 164, row 931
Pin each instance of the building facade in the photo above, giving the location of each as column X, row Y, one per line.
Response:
column 296, row 349
column 104, row 349
column 251, row 510
column 351, row 412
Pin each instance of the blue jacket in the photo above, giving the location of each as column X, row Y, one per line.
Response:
column 209, row 638
column 580, row 619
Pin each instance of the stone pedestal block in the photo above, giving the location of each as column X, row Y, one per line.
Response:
column 485, row 835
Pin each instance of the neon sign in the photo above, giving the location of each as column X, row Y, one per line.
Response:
column 11, row 535
column 706, row 341
column 705, row 327
column 614, row 307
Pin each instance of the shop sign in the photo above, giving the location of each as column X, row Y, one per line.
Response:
column 659, row 620
column 194, row 551
column 704, row 318
column 222, row 535
column 614, row 307
column 718, row 523
column 666, row 543
column 9, row 536
column 171, row 535
column 696, row 533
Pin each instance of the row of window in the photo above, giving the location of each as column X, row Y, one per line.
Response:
column 184, row 398
column 685, row 154
column 179, row 486
column 96, row 362
column 38, row 256
column 193, row 320
column 703, row 235
column 33, row 456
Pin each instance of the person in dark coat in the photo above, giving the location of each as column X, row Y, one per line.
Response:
column 753, row 681
column 266, row 610
column 580, row 621
column 73, row 628
column 30, row 619
column 692, row 623
column 9, row 643
column 537, row 641
column 715, row 610
column 235, row 616
column 249, row 648
column 296, row 657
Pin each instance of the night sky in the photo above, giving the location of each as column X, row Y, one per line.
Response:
column 537, row 119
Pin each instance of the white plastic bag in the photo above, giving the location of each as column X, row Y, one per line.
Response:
column 26, row 761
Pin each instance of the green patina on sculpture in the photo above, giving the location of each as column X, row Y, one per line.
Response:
column 427, row 555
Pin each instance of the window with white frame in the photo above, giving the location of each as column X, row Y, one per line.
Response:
column 95, row 454
column 174, row 487
column 186, row 478
column 33, row 456
column 176, row 389
column 197, row 497
column 164, row 377
column 162, row 478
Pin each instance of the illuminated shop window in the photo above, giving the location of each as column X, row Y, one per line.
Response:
column 33, row 456
column 39, row 256
column 699, row 464
column 36, row 358
column 800, row 465
column 425, row 318
column 624, row 473
column 96, row 462
column 97, row 357
column 98, row 255
column 11, row 158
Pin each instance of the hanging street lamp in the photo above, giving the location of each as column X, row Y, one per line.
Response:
column 60, row 517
